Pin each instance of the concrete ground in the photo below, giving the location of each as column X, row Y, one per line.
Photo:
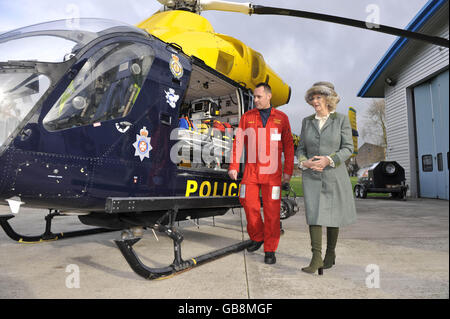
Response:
column 396, row 250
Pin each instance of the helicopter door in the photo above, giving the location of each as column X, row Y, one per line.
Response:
column 247, row 100
column 209, row 113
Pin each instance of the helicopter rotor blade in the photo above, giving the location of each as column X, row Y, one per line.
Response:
column 248, row 8
column 167, row 3
column 262, row 10
column 228, row 6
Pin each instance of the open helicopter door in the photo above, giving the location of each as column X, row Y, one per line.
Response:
column 246, row 101
column 209, row 113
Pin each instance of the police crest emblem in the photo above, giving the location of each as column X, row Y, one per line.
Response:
column 175, row 67
column 142, row 144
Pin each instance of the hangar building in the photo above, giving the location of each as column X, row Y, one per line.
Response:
column 412, row 77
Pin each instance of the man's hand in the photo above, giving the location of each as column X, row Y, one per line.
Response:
column 285, row 182
column 233, row 174
column 286, row 179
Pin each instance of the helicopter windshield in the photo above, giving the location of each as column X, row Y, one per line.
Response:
column 19, row 92
column 105, row 88
column 58, row 40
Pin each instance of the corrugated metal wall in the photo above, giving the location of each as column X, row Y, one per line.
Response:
column 428, row 62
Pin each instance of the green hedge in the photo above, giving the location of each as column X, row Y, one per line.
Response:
column 296, row 183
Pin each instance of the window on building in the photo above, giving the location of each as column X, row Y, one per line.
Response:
column 427, row 163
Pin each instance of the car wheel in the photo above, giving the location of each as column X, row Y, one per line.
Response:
column 356, row 191
column 286, row 209
column 363, row 192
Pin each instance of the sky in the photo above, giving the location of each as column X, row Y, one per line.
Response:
column 301, row 51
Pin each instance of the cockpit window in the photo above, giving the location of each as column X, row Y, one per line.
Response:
column 19, row 91
column 57, row 41
column 51, row 49
column 105, row 88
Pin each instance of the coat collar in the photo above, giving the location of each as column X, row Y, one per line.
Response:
column 330, row 120
column 315, row 123
column 255, row 112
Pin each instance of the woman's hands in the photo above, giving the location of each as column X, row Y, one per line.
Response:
column 317, row 163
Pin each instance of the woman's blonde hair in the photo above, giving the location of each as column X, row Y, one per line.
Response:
column 325, row 89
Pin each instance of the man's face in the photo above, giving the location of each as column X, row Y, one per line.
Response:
column 262, row 99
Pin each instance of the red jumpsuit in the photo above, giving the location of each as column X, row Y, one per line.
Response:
column 263, row 171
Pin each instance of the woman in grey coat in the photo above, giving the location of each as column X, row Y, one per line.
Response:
column 325, row 144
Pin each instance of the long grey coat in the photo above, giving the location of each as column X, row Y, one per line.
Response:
column 328, row 194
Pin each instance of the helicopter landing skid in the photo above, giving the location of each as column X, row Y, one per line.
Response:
column 47, row 235
column 178, row 265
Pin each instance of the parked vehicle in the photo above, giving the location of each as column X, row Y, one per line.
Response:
column 382, row 177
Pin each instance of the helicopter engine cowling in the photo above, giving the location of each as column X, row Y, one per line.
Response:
column 223, row 53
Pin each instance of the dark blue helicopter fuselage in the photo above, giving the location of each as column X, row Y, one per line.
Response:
column 78, row 168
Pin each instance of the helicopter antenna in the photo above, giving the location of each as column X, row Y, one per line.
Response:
column 198, row 6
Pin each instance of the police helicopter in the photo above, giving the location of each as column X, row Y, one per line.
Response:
column 132, row 127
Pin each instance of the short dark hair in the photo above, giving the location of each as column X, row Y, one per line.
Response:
column 266, row 87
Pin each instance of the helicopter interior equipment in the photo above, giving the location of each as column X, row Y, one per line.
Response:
column 89, row 131
column 209, row 100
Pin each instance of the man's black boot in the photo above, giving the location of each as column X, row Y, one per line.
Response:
column 255, row 245
column 270, row 258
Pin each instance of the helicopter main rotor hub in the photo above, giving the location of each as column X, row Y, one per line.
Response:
column 189, row 5
column 197, row 6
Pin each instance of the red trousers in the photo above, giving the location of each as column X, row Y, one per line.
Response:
column 267, row 230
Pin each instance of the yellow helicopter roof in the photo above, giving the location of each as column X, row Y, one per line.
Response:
column 225, row 54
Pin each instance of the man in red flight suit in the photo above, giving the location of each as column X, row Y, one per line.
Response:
column 264, row 133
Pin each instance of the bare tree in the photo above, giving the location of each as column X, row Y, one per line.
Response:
column 374, row 128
